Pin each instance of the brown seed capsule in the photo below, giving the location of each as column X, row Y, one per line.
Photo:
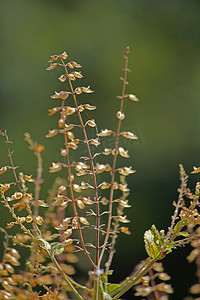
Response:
column 39, row 220
column 84, row 221
column 29, row 219
column 3, row 170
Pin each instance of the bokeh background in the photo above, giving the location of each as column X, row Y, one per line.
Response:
column 164, row 37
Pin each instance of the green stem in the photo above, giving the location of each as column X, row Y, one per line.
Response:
column 66, row 278
column 130, row 281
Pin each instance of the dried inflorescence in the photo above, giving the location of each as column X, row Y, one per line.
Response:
column 86, row 210
column 83, row 200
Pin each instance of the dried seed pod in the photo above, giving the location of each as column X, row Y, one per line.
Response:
column 123, row 152
column 115, row 185
column 125, row 230
column 107, row 168
column 133, row 97
column 4, row 187
column 52, row 66
column 63, row 152
column 129, row 135
column 52, row 133
column 86, row 90
column 107, row 151
column 126, row 171
column 60, row 95
column 120, row 115
column 28, row 178
column 15, row 253
column 87, row 200
column 62, row 78
column 67, row 233
column 80, row 204
column 85, row 185
column 16, row 196
column 84, row 221
column 77, row 188
column 29, row 219
column 71, row 77
column 91, row 123
column 78, row 91
column 3, row 170
column 68, row 110
column 61, row 189
column 73, row 145
column 195, row 170
column 104, row 185
column 39, row 220
column 67, row 242
column 73, row 64
column 77, row 74
column 100, row 168
column 90, row 107
column 64, row 55
column 123, row 187
column 79, row 166
column 56, row 167
column 95, row 142
column 53, row 58
column 61, row 122
column 67, row 128
column 9, row 268
column 53, row 110
column 39, row 148
column 122, row 219
column 105, row 132
column 75, row 223
column 124, row 203
column 70, row 135
column 104, row 201
column 71, row 177
column 80, row 108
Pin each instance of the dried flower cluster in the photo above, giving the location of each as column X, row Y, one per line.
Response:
column 86, row 210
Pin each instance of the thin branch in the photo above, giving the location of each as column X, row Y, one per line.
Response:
column 115, row 156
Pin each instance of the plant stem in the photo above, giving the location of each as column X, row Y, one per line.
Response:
column 66, row 278
column 92, row 167
column 115, row 157
column 130, row 281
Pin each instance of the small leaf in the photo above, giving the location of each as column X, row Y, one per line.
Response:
column 57, row 248
column 112, row 287
column 184, row 233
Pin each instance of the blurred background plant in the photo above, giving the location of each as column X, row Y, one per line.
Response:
column 164, row 38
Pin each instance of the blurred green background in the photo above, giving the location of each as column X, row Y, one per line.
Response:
column 164, row 37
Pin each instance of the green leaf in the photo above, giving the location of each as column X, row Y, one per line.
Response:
column 57, row 248
column 112, row 287
column 184, row 233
